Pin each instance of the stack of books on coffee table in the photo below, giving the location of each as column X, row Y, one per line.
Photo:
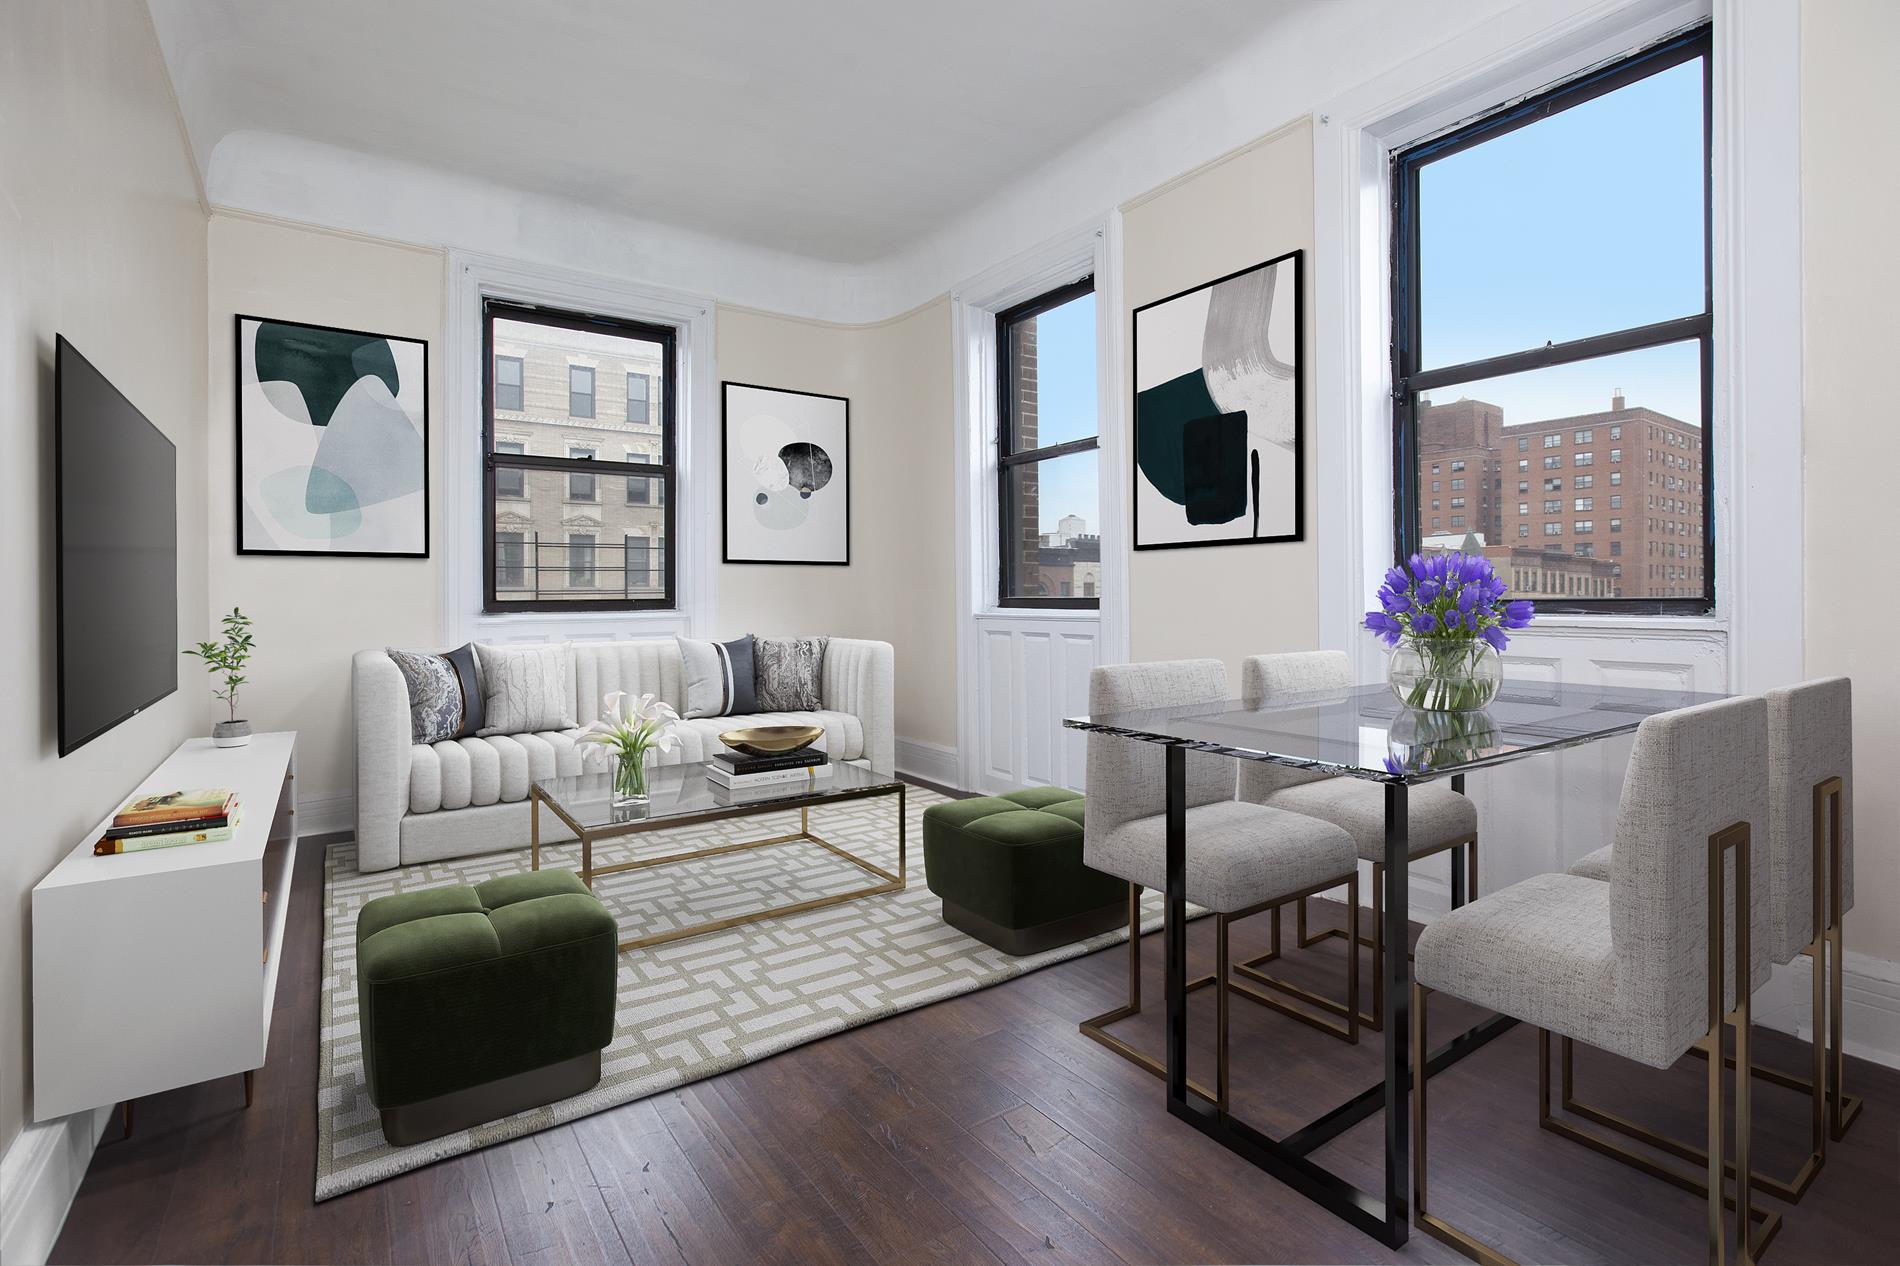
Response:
column 736, row 771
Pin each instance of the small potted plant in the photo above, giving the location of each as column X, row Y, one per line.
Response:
column 645, row 726
column 227, row 658
column 1446, row 619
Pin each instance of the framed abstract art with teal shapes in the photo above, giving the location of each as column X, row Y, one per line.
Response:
column 1220, row 389
column 332, row 441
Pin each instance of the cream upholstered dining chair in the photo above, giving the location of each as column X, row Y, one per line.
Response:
column 1644, row 966
column 1809, row 880
column 1439, row 819
column 1241, row 858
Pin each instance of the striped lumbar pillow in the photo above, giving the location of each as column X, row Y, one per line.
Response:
column 718, row 678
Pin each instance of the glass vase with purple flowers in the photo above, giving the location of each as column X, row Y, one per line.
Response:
column 1446, row 619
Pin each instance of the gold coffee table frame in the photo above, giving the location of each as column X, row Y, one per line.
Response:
column 588, row 835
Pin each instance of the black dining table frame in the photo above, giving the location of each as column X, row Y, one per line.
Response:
column 1289, row 1158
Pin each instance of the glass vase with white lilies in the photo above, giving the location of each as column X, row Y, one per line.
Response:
column 633, row 730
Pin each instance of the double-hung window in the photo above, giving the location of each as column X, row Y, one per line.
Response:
column 1551, row 259
column 580, row 391
column 1048, row 485
column 567, row 523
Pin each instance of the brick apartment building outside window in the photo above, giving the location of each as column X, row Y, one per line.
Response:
column 1533, row 286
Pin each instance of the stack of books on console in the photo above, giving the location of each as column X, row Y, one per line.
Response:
column 736, row 771
column 168, row 819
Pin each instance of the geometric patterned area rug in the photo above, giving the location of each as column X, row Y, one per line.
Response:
column 697, row 1006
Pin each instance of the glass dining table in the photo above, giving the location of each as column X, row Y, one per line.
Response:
column 1364, row 733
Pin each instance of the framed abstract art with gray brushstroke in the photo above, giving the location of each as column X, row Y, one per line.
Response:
column 332, row 441
column 786, row 481
column 1219, row 412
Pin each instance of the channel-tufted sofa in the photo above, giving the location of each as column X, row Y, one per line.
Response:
column 421, row 802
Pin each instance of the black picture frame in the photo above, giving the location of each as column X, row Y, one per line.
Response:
column 725, row 477
column 237, row 415
column 1297, row 257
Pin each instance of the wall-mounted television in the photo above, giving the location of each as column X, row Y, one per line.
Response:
column 116, row 485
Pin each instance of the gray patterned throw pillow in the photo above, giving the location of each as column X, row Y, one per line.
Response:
column 790, row 673
column 443, row 700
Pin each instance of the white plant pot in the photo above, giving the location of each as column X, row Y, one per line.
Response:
column 231, row 733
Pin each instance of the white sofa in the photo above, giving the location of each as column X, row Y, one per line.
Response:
column 418, row 802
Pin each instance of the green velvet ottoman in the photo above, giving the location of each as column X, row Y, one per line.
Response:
column 1009, row 869
column 479, row 1002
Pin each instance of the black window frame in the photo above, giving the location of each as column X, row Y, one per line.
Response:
column 1007, row 459
column 664, row 470
column 1409, row 381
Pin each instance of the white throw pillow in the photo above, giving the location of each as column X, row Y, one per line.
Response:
column 526, row 689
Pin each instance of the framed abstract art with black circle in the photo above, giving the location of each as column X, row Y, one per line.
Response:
column 786, row 477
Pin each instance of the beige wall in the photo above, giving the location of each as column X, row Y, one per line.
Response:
column 313, row 613
column 102, row 240
column 1238, row 600
column 1850, row 131
column 899, row 586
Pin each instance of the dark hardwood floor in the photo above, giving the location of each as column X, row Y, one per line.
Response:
column 981, row 1129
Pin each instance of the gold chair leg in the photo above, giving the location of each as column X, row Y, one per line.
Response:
column 1348, row 1012
column 1422, row 1216
column 1375, row 1018
column 1096, row 1027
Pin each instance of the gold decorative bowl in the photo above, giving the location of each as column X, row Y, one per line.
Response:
column 772, row 740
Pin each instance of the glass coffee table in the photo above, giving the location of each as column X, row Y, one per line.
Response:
column 682, row 795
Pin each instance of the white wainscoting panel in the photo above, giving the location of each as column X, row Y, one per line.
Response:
column 1033, row 670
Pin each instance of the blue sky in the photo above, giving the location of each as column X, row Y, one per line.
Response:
column 1065, row 407
column 1583, row 223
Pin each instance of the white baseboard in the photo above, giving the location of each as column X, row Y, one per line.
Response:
column 932, row 762
column 1870, row 1006
column 324, row 815
column 39, row 1175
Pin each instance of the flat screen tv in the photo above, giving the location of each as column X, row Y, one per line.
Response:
column 117, row 491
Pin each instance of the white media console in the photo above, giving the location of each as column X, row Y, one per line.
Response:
column 158, row 969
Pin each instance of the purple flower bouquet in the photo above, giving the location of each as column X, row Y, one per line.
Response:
column 1446, row 618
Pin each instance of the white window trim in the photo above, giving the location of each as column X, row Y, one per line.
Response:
column 473, row 278
column 1092, row 248
column 1756, row 253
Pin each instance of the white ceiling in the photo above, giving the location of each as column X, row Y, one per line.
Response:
column 839, row 130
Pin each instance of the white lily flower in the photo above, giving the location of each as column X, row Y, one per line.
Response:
column 633, row 728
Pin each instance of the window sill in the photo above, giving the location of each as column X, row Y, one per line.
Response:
column 1578, row 625
column 666, row 620
column 1074, row 615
